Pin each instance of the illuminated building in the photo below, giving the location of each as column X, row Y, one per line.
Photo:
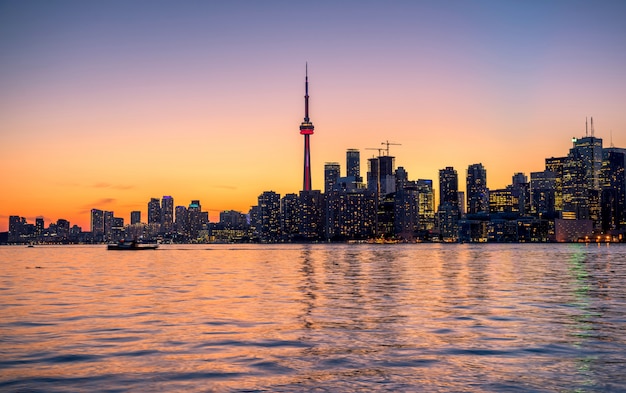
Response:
column 97, row 225
column 331, row 175
column 167, row 214
column 477, row 192
column 135, row 217
column 306, row 129
column 353, row 165
column 269, row 217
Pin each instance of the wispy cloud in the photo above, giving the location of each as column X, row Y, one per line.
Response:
column 100, row 203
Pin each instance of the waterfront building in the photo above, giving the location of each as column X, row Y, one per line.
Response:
column 290, row 216
column 406, row 212
column 97, row 225
column 613, row 182
column 543, row 193
column 154, row 211
column 196, row 219
column 311, row 215
column 448, row 186
column 135, row 217
column 108, row 226
column 269, row 217
column 477, row 191
column 448, row 212
column 425, row 205
column 350, row 214
column 182, row 221
column 167, row 214
column 555, row 165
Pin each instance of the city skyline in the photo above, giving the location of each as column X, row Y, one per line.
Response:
column 106, row 105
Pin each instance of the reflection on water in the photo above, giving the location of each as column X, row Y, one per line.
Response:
column 428, row 317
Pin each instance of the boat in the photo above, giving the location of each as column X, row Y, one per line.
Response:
column 131, row 246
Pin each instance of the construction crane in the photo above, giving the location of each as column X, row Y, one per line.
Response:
column 376, row 148
column 390, row 143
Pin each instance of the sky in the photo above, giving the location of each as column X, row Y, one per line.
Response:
column 106, row 104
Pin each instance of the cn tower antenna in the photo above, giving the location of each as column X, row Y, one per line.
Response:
column 306, row 129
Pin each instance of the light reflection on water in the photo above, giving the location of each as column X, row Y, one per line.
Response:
column 425, row 317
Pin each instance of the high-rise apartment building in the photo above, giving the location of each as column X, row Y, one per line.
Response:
column 135, row 217
column 97, row 225
column 331, row 175
column 353, row 165
column 167, row 214
column 269, row 216
column 477, row 192
column 154, row 211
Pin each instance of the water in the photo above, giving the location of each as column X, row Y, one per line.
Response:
column 426, row 317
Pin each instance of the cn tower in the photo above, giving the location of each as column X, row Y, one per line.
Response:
column 306, row 129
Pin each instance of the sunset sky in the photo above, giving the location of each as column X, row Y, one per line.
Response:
column 105, row 104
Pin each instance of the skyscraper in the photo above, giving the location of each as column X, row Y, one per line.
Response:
column 154, row 211
column 331, row 175
column 448, row 212
column 353, row 165
column 167, row 214
column 135, row 217
column 448, row 186
column 477, row 192
column 306, row 129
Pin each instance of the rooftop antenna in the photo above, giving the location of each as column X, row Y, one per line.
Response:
column 586, row 127
column 592, row 131
column 612, row 138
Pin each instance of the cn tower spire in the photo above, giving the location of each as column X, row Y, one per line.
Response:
column 306, row 129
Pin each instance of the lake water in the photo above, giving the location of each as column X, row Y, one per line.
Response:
column 322, row 318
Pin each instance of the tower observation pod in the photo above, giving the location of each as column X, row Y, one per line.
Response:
column 306, row 129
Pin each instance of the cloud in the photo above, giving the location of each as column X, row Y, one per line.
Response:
column 100, row 203
column 113, row 186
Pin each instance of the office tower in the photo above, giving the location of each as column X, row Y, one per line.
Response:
column 589, row 151
column 576, row 189
column 331, row 175
column 448, row 212
column 555, row 165
column 269, row 216
column 448, row 186
column 426, row 205
column 543, row 193
column 97, row 224
column 289, row 216
column 306, row 129
column 353, row 165
column 477, row 192
column 167, row 214
column 154, row 211
column 613, row 182
column 135, row 217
